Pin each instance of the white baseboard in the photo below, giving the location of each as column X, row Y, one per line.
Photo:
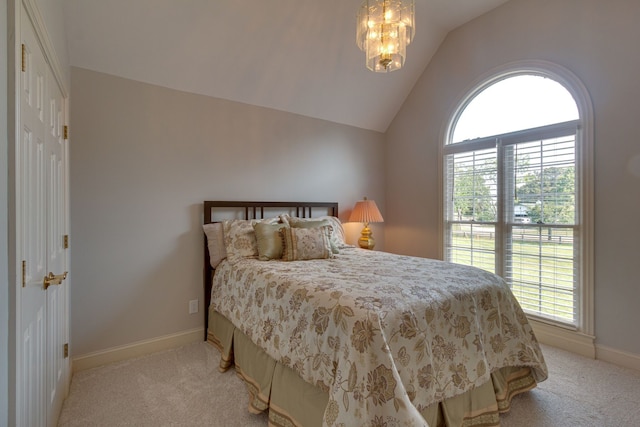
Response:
column 583, row 345
column 564, row 339
column 618, row 357
column 136, row 349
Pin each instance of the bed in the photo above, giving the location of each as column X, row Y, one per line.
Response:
column 326, row 334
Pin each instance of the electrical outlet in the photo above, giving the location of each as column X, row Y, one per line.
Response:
column 193, row 306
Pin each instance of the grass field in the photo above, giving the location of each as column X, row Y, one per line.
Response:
column 541, row 271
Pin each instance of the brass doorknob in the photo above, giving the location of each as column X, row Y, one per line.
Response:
column 53, row 279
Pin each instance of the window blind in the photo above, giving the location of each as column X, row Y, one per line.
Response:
column 511, row 209
column 540, row 226
column 472, row 212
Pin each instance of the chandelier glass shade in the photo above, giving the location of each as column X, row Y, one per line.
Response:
column 384, row 29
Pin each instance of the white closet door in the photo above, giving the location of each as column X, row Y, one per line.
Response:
column 33, row 234
column 42, row 369
column 55, row 167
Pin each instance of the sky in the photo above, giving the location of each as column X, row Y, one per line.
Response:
column 516, row 103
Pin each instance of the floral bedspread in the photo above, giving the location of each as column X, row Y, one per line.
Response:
column 385, row 335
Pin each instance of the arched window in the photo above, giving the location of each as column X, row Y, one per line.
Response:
column 516, row 196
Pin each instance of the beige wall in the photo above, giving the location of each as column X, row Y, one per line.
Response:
column 143, row 158
column 598, row 42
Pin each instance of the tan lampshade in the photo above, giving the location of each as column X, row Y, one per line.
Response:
column 365, row 211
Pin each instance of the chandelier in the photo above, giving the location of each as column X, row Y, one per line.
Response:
column 385, row 28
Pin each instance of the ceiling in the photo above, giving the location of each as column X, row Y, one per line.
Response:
column 298, row 56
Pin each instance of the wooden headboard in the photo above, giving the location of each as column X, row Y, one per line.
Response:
column 253, row 210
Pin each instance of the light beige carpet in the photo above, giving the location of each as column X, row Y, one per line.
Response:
column 182, row 387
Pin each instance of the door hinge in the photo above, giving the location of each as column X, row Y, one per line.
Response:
column 66, row 350
column 66, row 132
column 66, row 241
column 24, row 57
column 24, row 273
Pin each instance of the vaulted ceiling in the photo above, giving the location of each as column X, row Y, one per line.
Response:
column 298, row 56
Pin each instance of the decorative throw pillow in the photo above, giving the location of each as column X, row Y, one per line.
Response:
column 306, row 243
column 337, row 233
column 240, row 238
column 215, row 243
column 269, row 240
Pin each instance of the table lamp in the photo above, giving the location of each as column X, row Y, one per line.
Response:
column 366, row 211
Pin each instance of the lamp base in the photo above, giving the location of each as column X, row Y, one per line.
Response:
column 366, row 240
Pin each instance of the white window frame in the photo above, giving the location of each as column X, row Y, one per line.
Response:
column 580, row 340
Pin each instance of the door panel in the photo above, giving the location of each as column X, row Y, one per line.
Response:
column 56, row 262
column 42, row 369
column 32, row 227
column 33, row 408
